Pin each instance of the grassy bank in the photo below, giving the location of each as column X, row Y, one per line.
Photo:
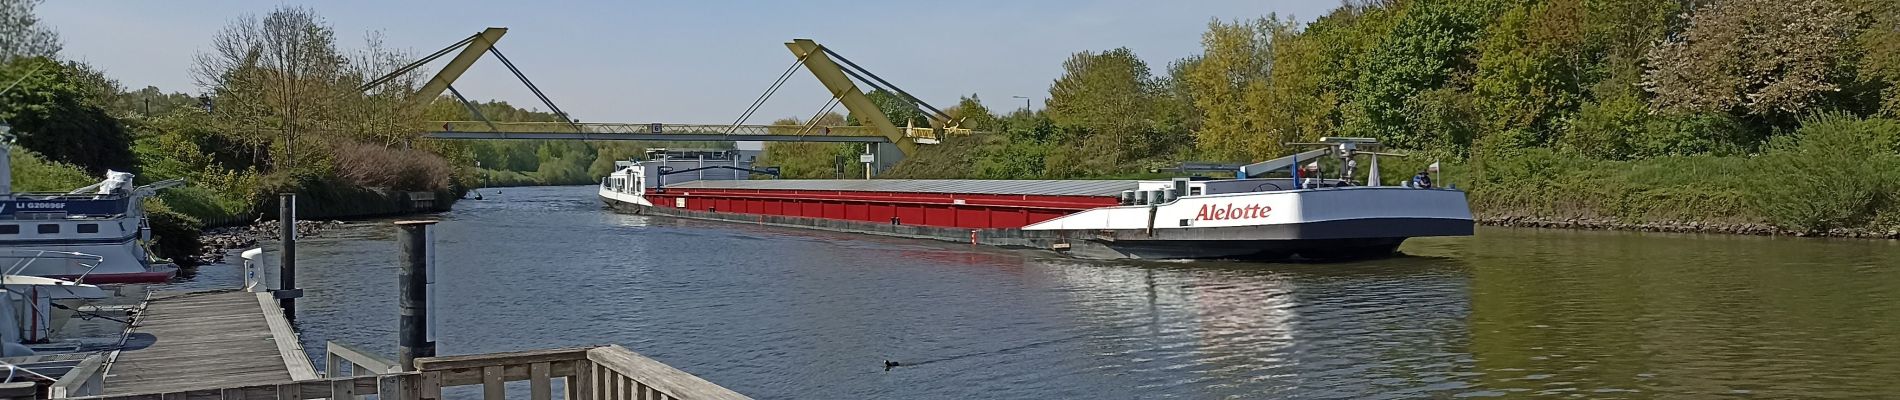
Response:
column 1836, row 176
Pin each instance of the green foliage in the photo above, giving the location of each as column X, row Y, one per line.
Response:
column 176, row 233
column 1222, row 83
column 206, row 205
column 900, row 111
column 33, row 173
column 970, row 113
column 1428, row 44
column 1106, row 109
column 1841, row 172
column 53, row 112
column 22, row 35
column 1770, row 58
column 1605, row 128
column 1531, row 68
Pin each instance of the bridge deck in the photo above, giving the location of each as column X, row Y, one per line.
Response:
column 189, row 341
column 678, row 137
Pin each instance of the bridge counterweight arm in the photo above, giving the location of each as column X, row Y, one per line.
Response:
column 841, row 86
column 477, row 45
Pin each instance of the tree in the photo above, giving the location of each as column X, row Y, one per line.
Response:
column 21, row 34
column 970, row 113
column 53, row 112
column 1256, row 87
column 1878, row 45
column 899, row 110
column 1765, row 58
column 810, row 160
column 1236, row 63
column 1534, row 66
column 280, row 73
column 386, row 114
column 1103, row 101
column 1430, row 42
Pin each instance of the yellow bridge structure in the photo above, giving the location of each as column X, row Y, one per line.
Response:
column 673, row 132
column 841, row 77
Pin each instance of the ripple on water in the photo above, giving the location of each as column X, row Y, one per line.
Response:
column 786, row 313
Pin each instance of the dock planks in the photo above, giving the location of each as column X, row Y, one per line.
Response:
column 207, row 340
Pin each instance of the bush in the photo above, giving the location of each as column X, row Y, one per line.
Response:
column 32, row 173
column 395, row 169
column 1839, row 172
column 1692, row 134
column 177, row 235
column 206, row 205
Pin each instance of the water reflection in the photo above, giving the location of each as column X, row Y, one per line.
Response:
column 791, row 313
column 1655, row 314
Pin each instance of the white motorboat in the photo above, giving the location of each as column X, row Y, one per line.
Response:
column 105, row 219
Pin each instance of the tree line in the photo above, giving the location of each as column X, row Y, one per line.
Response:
column 1548, row 109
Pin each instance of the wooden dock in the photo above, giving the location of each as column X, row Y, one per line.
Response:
column 234, row 344
column 202, row 340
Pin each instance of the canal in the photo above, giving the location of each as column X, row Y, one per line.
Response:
column 785, row 313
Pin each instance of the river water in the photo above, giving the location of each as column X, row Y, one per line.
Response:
column 787, row 313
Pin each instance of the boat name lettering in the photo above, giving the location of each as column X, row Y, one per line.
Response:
column 42, row 206
column 1210, row 212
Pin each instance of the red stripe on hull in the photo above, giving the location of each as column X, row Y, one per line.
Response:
column 136, row 277
column 975, row 211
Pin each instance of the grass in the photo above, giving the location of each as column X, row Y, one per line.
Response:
column 32, row 173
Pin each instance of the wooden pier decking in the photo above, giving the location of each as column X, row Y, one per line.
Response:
column 202, row 340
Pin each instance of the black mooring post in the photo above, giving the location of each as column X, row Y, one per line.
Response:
column 413, row 340
column 287, row 292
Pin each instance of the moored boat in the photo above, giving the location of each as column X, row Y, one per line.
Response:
column 1252, row 216
column 105, row 219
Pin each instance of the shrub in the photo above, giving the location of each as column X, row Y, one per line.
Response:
column 32, row 173
column 1838, row 172
column 206, row 205
column 1692, row 134
column 176, row 234
column 395, row 169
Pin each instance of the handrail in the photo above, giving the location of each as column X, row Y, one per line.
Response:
column 335, row 354
column 26, row 261
column 85, row 379
column 590, row 373
column 666, row 380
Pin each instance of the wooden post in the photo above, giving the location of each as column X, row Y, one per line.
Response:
column 287, row 261
column 413, row 339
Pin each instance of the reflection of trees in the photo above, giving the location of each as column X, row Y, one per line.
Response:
column 1681, row 314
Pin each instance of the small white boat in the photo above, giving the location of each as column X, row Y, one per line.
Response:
column 28, row 314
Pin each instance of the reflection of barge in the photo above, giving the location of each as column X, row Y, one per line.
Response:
column 1249, row 217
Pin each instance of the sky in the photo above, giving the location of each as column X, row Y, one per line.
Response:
column 688, row 62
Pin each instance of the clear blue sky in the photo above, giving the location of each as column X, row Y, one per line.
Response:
column 689, row 61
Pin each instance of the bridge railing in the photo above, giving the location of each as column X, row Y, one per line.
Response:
column 653, row 129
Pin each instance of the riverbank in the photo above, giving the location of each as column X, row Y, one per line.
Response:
column 216, row 243
column 1750, row 229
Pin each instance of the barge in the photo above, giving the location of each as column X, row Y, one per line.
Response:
column 1252, row 216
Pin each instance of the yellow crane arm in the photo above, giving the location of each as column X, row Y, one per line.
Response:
column 478, row 44
column 847, row 92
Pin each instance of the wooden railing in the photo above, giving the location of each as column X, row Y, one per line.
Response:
column 588, row 373
column 85, row 379
column 337, row 357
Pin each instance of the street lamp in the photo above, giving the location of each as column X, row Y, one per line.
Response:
column 1025, row 102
